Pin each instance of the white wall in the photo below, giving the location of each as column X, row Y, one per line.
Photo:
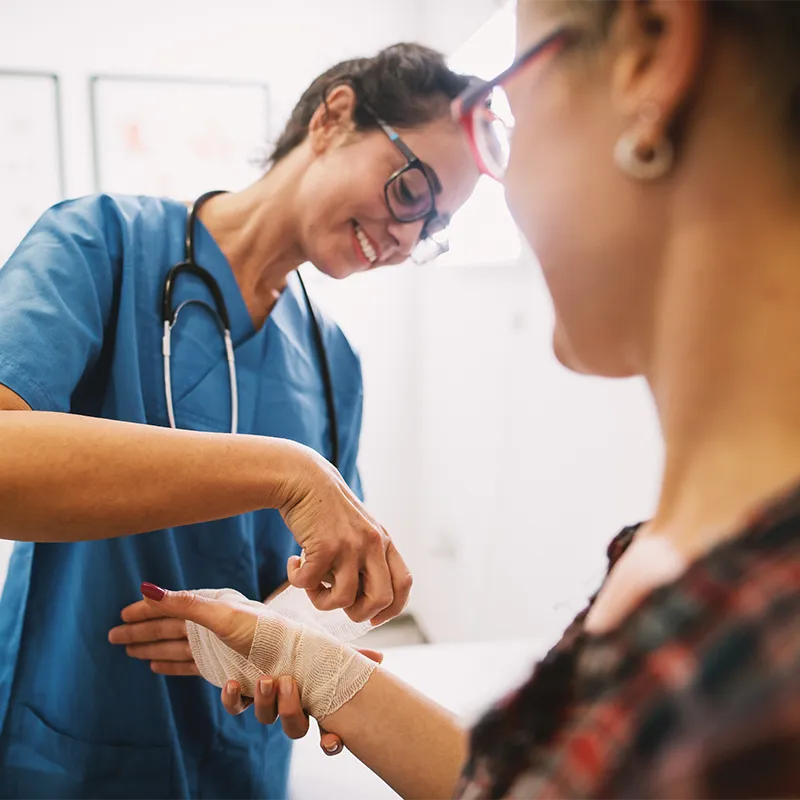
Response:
column 283, row 43
column 527, row 471
column 446, row 24
column 377, row 312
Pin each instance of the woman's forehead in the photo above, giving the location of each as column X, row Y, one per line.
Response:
column 439, row 141
column 444, row 148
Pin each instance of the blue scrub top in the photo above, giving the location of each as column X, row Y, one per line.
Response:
column 80, row 331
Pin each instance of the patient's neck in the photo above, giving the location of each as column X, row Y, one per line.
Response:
column 725, row 370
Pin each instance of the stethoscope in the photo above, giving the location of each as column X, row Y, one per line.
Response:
column 169, row 316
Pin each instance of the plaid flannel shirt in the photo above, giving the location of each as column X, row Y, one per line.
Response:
column 696, row 694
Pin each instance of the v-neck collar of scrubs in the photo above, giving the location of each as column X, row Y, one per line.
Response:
column 211, row 258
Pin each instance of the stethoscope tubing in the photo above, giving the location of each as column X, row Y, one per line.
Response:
column 169, row 317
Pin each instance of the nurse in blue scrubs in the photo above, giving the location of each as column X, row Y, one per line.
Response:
column 369, row 168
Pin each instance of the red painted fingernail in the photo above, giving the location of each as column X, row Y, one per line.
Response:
column 152, row 591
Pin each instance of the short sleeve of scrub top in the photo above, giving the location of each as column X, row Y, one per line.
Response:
column 80, row 332
column 56, row 294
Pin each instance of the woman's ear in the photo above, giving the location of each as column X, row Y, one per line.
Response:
column 658, row 51
column 333, row 119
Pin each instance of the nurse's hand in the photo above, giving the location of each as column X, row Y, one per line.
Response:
column 150, row 636
column 279, row 698
column 344, row 547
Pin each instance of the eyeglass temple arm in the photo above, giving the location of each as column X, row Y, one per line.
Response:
column 480, row 90
column 394, row 137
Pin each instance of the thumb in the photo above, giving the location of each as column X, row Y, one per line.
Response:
column 310, row 572
column 183, row 605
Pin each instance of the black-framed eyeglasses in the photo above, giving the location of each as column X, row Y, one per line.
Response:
column 484, row 113
column 410, row 195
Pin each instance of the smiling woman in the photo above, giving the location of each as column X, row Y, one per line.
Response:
column 371, row 164
column 390, row 192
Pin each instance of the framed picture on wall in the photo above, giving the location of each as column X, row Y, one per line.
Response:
column 31, row 152
column 177, row 137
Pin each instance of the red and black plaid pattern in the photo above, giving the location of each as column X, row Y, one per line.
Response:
column 696, row 694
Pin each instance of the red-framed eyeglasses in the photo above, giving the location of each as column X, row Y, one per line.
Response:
column 483, row 111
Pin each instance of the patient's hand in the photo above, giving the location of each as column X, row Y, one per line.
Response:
column 233, row 620
column 280, row 698
column 148, row 635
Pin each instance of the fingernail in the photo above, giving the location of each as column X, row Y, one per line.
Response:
column 231, row 689
column 152, row 591
column 265, row 687
column 285, row 686
column 333, row 749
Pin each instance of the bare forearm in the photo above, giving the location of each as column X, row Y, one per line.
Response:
column 64, row 477
column 412, row 743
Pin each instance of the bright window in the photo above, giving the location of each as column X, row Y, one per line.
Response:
column 483, row 231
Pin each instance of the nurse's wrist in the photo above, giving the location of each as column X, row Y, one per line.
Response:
column 294, row 469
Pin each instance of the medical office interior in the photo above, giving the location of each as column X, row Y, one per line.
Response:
column 476, row 443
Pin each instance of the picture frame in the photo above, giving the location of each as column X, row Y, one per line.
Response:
column 31, row 152
column 175, row 136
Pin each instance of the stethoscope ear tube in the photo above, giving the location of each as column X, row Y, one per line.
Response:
column 169, row 313
column 166, row 350
column 233, row 380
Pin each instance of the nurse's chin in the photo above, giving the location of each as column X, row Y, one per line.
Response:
column 341, row 269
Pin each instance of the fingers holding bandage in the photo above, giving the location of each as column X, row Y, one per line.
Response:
column 278, row 700
column 236, row 639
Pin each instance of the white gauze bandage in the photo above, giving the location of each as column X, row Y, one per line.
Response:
column 327, row 672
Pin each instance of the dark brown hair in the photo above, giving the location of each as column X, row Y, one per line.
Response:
column 406, row 85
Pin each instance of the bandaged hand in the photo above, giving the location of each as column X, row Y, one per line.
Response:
column 233, row 638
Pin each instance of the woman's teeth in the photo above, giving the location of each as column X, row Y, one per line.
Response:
column 366, row 247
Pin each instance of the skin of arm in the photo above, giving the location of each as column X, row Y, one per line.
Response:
column 409, row 741
column 412, row 743
column 66, row 478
